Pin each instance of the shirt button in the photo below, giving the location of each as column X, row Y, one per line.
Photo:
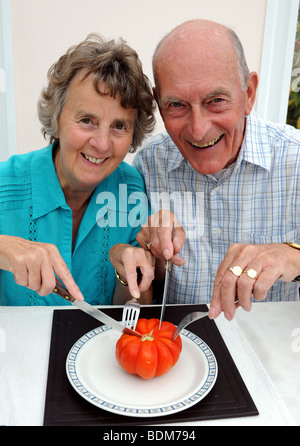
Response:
column 219, row 231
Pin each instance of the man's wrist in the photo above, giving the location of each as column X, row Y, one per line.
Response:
column 295, row 246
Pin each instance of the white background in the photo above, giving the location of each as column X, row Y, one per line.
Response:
column 35, row 33
column 43, row 30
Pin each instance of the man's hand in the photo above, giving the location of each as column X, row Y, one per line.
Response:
column 257, row 267
column 163, row 236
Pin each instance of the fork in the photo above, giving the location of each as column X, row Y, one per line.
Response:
column 131, row 312
column 132, row 308
column 188, row 319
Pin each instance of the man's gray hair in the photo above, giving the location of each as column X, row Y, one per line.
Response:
column 243, row 66
column 237, row 44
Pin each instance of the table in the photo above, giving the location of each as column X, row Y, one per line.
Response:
column 265, row 345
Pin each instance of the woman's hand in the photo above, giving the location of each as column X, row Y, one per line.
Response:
column 127, row 261
column 35, row 264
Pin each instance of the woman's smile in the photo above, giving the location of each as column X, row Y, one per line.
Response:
column 92, row 159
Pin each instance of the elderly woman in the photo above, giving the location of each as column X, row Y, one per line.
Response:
column 65, row 206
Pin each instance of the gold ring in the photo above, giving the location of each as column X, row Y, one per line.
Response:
column 251, row 273
column 236, row 270
column 148, row 246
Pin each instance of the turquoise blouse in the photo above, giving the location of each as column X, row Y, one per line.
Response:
column 33, row 206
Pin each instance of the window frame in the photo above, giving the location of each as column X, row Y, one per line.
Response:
column 8, row 132
column 277, row 59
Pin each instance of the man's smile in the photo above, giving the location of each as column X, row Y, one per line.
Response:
column 208, row 144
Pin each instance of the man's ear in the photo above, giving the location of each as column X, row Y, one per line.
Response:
column 252, row 85
column 156, row 97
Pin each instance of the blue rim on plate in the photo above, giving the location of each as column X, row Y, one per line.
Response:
column 95, row 352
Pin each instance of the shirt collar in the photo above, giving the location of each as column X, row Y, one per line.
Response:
column 175, row 157
column 255, row 148
column 47, row 193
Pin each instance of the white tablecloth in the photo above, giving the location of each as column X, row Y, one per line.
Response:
column 265, row 345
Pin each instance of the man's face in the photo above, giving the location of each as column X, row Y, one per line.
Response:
column 203, row 106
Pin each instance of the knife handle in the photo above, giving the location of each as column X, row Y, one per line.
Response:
column 60, row 290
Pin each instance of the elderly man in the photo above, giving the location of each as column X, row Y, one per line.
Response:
column 233, row 179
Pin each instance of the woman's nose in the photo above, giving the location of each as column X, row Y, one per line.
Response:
column 100, row 139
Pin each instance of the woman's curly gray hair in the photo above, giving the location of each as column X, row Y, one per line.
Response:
column 113, row 62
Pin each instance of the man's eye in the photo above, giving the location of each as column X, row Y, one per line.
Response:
column 176, row 104
column 216, row 100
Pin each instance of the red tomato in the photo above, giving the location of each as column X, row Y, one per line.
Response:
column 154, row 354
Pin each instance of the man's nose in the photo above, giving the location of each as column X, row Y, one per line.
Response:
column 200, row 123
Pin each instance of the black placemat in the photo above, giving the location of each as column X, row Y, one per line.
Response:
column 65, row 407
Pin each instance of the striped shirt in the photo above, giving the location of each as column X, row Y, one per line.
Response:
column 256, row 200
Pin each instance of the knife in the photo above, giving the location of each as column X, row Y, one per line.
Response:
column 162, row 312
column 89, row 309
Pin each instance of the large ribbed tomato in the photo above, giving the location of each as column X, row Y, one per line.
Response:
column 154, row 354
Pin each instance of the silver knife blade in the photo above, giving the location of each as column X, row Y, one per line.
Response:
column 107, row 320
column 97, row 314
column 163, row 306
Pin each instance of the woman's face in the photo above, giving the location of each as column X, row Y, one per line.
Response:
column 95, row 133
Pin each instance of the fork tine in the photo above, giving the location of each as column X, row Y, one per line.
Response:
column 130, row 315
column 124, row 317
column 134, row 317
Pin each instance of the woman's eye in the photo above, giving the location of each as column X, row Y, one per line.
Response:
column 120, row 126
column 86, row 121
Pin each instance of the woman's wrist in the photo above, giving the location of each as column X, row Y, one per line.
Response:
column 120, row 279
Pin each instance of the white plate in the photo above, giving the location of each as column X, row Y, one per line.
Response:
column 95, row 374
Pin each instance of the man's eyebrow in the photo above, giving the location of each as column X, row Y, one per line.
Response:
column 218, row 92
column 170, row 99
